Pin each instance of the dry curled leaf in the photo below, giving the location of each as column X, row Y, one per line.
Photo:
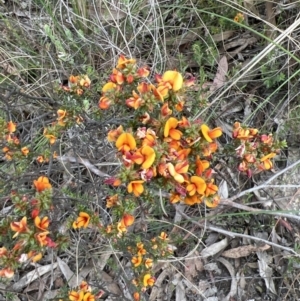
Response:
column 193, row 265
column 244, row 251
column 220, row 77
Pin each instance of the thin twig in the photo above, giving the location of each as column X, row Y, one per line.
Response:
column 233, row 234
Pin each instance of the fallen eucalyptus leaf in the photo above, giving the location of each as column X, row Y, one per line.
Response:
column 215, row 248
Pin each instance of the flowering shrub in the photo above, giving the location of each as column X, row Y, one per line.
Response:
column 164, row 155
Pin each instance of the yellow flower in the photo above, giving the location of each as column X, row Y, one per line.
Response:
column 109, row 86
column 174, row 78
column 34, row 256
column 197, row 184
column 82, row 220
column 136, row 187
column 177, row 170
column 148, row 280
column 163, row 236
column 209, row 134
column 170, row 129
column 267, row 162
column 145, row 156
column 50, row 137
column 125, row 142
column 41, row 184
column 239, row 18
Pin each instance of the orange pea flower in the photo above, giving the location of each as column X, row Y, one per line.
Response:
column 161, row 92
column 85, row 287
column 25, row 150
column 42, row 238
column 149, row 140
column 197, row 184
column 163, row 236
column 73, row 79
column 136, row 187
column 112, row 201
column 201, row 166
column 148, row 263
column 76, row 296
column 143, row 72
column 11, row 127
column 3, row 252
column 141, row 250
column 41, row 184
column 85, row 81
column 43, row 223
column 125, row 142
column 183, row 154
column 174, row 78
column 177, row 170
column 88, row 297
column 50, row 137
column 123, row 62
column 212, row 202
column 209, row 134
column 113, row 134
column 192, row 200
column 211, row 189
column 165, row 111
column 170, row 129
column 104, row 103
column 34, row 256
column 7, row 273
column 137, row 260
column 136, row 296
column 210, row 149
column 135, row 101
column 175, row 198
column 267, row 162
column 127, row 220
column 117, row 77
column 19, row 227
column 121, row 228
column 82, row 221
column 61, row 115
column 148, row 280
column 145, row 156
